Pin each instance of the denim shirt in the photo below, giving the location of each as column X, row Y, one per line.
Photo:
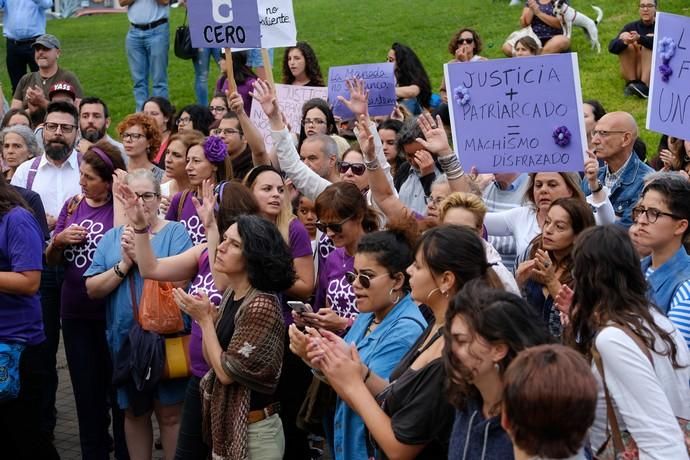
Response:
column 626, row 191
column 665, row 280
column 381, row 351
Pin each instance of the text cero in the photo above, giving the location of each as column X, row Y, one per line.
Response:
column 226, row 34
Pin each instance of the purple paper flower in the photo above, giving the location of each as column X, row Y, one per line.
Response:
column 215, row 149
column 666, row 72
column 561, row 136
column 461, row 95
column 667, row 48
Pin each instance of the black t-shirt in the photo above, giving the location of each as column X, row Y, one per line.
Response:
column 616, row 46
column 417, row 405
column 225, row 331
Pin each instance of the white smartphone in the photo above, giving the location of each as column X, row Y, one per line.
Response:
column 299, row 307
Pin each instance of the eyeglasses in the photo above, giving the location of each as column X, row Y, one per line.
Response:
column 357, row 168
column 604, row 133
column 463, row 41
column 217, row 108
column 435, row 201
column 364, row 280
column 313, row 121
column 147, row 197
column 183, row 120
column 226, row 131
column 65, row 128
column 647, row 6
column 652, row 214
column 336, row 227
column 132, row 136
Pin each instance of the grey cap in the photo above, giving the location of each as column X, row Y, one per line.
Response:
column 47, row 40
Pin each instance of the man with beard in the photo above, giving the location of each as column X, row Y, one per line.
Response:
column 94, row 121
column 55, row 177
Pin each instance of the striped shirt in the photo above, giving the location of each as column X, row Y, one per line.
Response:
column 679, row 311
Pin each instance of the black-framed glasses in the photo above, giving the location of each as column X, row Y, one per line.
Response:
column 364, row 280
column 652, row 214
column 313, row 121
column 357, row 168
column 463, row 41
column 147, row 197
column 64, row 127
column 604, row 133
column 132, row 136
column 183, row 120
column 217, row 108
column 226, row 131
column 336, row 227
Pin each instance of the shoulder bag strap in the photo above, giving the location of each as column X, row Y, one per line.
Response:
column 180, row 204
column 615, row 433
column 132, row 292
column 638, row 341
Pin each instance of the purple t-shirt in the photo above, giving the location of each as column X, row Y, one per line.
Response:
column 300, row 246
column 78, row 257
column 188, row 217
column 202, row 282
column 21, row 250
column 325, row 246
column 243, row 89
column 333, row 285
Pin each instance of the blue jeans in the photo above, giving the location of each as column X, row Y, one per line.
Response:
column 201, row 64
column 147, row 54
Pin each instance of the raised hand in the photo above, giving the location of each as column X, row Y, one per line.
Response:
column 435, row 140
column 206, row 208
column 591, row 169
column 425, row 162
column 132, row 205
column 359, row 97
column 235, row 102
column 365, row 138
column 265, row 95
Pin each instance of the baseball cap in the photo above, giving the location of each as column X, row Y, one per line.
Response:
column 47, row 40
column 62, row 87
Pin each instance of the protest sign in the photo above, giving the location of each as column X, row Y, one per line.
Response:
column 668, row 108
column 379, row 81
column 517, row 115
column 291, row 98
column 242, row 24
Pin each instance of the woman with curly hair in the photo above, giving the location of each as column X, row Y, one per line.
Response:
column 301, row 67
column 243, row 342
column 465, row 46
column 207, row 160
column 484, row 330
column 142, row 139
column 413, row 88
column 161, row 110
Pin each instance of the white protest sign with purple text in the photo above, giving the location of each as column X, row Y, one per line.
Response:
column 379, row 81
column 668, row 108
column 291, row 98
column 517, row 115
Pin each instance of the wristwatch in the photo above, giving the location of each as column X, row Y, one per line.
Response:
column 599, row 187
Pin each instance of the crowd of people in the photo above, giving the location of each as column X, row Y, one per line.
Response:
column 352, row 292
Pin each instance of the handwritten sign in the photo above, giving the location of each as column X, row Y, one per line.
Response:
column 517, row 115
column 242, row 24
column 668, row 108
column 291, row 98
column 379, row 80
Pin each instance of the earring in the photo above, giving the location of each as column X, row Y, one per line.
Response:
column 444, row 293
column 397, row 298
column 497, row 367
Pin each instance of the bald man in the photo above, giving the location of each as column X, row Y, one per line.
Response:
column 622, row 176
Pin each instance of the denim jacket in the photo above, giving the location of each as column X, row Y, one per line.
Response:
column 666, row 280
column 626, row 191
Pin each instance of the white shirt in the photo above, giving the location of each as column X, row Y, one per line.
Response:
column 507, row 278
column 646, row 399
column 519, row 222
column 55, row 184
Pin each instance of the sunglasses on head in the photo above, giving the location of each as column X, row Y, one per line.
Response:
column 364, row 280
column 336, row 227
column 357, row 168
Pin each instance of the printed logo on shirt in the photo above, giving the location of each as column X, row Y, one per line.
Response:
column 82, row 255
column 196, row 230
column 206, row 284
column 342, row 297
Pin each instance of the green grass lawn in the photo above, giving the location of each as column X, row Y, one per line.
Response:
column 356, row 31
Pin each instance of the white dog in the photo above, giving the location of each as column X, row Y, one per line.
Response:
column 569, row 17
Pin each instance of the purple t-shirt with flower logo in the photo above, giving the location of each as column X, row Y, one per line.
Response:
column 202, row 282
column 76, row 304
column 333, row 285
column 188, row 217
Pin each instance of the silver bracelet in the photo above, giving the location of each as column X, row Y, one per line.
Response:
column 372, row 165
column 451, row 166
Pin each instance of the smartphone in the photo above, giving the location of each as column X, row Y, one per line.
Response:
column 299, row 307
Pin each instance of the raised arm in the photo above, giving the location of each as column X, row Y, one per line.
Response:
column 251, row 133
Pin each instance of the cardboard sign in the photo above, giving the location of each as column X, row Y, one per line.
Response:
column 291, row 98
column 668, row 108
column 379, row 80
column 517, row 115
column 242, row 24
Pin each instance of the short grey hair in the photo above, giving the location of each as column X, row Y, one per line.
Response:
column 142, row 173
column 27, row 135
column 329, row 146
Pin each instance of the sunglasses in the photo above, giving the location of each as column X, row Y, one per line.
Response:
column 465, row 41
column 336, row 227
column 364, row 280
column 357, row 168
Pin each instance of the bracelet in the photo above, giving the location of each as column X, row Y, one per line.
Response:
column 366, row 377
column 450, row 164
column 372, row 165
column 140, row 231
column 598, row 189
column 118, row 272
